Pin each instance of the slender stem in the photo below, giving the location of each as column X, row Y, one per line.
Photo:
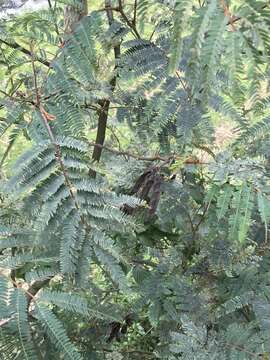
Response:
column 135, row 13
column 27, row 52
column 153, row 33
column 101, row 130
column 183, row 84
column 128, row 154
column 6, row 321
column 35, row 287
column 104, row 104
column 190, row 221
column 141, row 352
column 227, row 13
column 116, row 137
column 196, row 228
column 240, row 348
column 143, row 158
column 35, row 75
column 131, row 24
column 9, row 147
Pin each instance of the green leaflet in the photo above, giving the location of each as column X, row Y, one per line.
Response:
column 211, row 193
column 239, row 220
column 252, row 132
column 247, row 205
column 182, row 11
column 4, row 296
column 223, row 201
column 18, row 261
column 235, row 217
column 71, row 243
column 154, row 312
column 264, row 210
column 112, row 267
column 202, row 25
column 212, row 50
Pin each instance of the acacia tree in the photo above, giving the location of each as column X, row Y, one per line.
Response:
column 125, row 231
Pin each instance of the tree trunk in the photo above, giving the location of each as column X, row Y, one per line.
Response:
column 105, row 104
column 73, row 14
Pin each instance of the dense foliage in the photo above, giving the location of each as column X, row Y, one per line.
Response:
column 135, row 164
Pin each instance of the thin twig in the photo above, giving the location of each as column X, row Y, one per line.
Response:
column 227, row 13
column 128, row 154
column 9, row 147
column 135, row 13
column 190, row 221
column 116, row 138
column 183, row 84
column 196, row 227
column 15, row 99
column 6, row 321
column 132, row 26
column 35, row 75
column 130, row 352
column 27, row 52
column 153, row 32
column 240, row 348
column 146, row 158
column 30, row 293
column 112, row 8
column 18, row 286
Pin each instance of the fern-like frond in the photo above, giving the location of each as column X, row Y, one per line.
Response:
column 77, row 305
column 259, row 129
column 182, row 12
column 264, row 210
column 56, row 332
column 242, row 204
column 224, row 201
column 20, row 303
column 19, row 238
